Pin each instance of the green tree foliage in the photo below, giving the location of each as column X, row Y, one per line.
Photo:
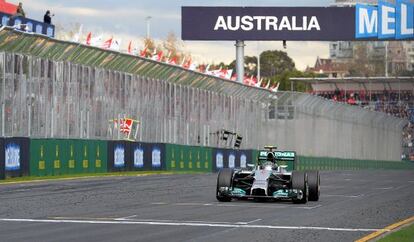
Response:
column 276, row 67
column 275, row 62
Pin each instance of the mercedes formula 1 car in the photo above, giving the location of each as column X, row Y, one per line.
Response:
column 268, row 180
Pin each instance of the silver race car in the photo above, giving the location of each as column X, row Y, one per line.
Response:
column 268, row 180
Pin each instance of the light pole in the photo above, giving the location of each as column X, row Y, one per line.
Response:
column 148, row 20
column 258, row 61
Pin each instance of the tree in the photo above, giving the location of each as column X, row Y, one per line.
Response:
column 250, row 66
column 274, row 62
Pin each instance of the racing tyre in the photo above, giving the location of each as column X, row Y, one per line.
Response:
column 314, row 182
column 224, row 179
column 300, row 181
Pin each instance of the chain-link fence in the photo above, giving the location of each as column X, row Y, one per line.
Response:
column 46, row 95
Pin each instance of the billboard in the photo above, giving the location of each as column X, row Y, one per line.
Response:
column 384, row 21
column 268, row 23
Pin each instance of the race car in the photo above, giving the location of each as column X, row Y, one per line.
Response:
column 268, row 180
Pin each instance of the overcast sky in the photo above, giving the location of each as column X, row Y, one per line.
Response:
column 125, row 19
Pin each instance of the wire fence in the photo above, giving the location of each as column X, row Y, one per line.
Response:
column 43, row 96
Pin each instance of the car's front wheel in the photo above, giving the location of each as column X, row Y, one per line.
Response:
column 300, row 182
column 224, row 179
column 314, row 181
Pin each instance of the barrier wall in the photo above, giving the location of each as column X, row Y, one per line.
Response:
column 135, row 156
column 2, row 175
column 324, row 163
column 16, row 157
column 184, row 158
column 53, row 157
column 56, row 157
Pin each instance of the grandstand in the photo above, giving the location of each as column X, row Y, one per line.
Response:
column 391, row 95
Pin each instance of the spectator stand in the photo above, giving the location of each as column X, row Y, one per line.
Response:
column 8, row 18
column 391, row 95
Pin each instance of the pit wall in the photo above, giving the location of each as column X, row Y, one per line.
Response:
column 21, row 157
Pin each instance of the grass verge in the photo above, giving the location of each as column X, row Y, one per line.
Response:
column 91, row 175
column 405, row 234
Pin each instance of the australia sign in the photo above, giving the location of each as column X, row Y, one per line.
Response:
column 362, row 22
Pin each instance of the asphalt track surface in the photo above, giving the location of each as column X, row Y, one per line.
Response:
column 184, row 208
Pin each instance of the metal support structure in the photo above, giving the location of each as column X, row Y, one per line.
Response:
column 258, row 61
column 386, row 58
column 148, row 20
column 240, row 60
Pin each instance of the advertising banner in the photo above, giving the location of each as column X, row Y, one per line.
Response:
column 119, row 155
column 154, row 156
column 16, row 157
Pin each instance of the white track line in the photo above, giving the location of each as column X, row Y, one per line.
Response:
column 247, row 226
column 383, row 188
column 339, row 195
column 244, row 205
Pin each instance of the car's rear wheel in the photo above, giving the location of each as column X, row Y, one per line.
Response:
column 224, row 179
column 300, row 181
column 314, row 182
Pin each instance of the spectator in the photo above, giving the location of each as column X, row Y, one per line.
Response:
column 47, row 19
column 20, row 12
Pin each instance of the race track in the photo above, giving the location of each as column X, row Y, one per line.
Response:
column 184, row 208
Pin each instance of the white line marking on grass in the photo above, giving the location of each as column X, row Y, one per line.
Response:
column 246, row 226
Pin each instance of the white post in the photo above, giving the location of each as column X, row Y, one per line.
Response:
column 386, row 58
column 258, row 61
column 240, row 60
column 148, row 20
column 87, row 124
column 52, row 122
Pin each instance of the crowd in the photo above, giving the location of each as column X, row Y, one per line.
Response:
column 399, row 104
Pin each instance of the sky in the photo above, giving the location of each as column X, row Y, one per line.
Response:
column 125, row 19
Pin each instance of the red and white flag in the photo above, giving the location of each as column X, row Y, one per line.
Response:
column 143, row 53
column 157, row 56
column 276, row 88
column 259, row 83
column 116, row 44
column 130, row 48
column 186, row 64
column 89, row 38
column 173, row 61
column 125, row 125
column 107, row 44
